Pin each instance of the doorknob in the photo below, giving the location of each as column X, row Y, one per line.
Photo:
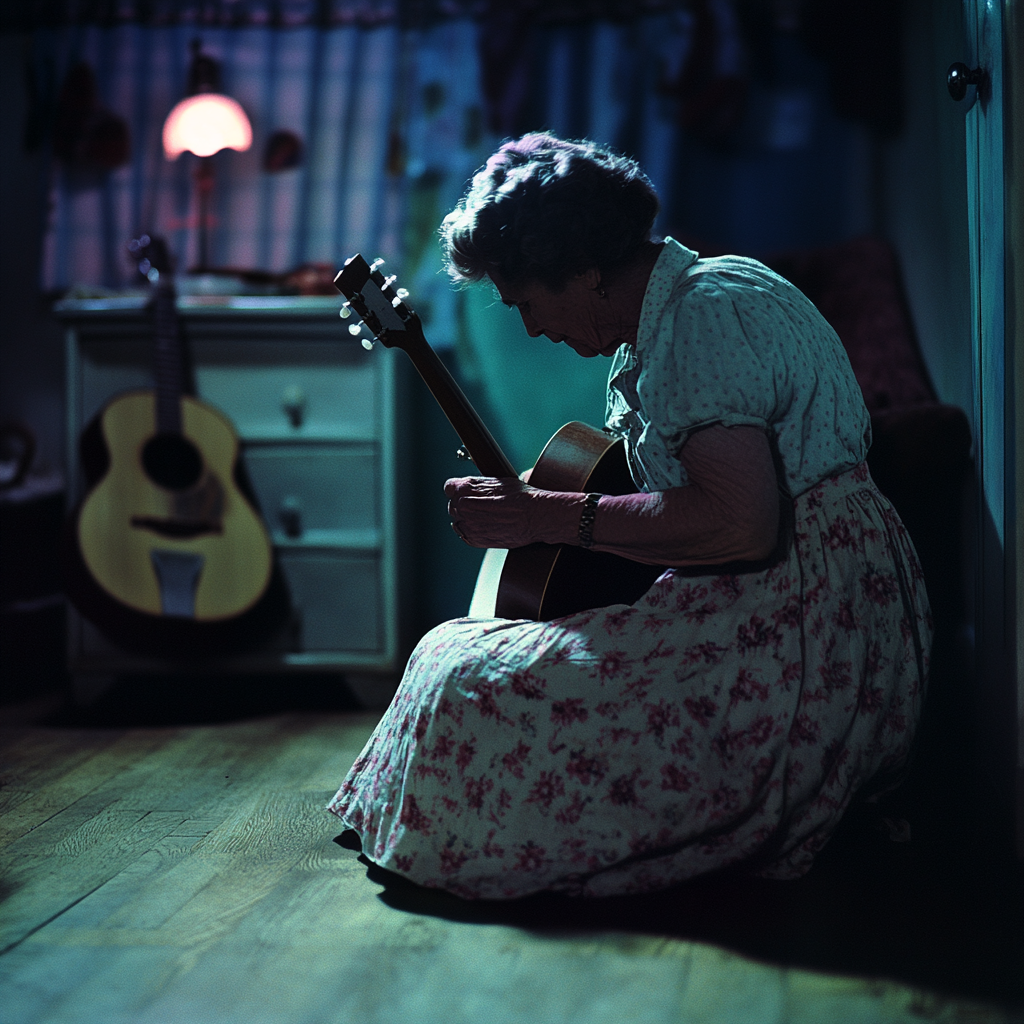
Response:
column 960, row 76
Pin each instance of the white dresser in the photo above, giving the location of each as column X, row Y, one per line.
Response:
column 317, row 416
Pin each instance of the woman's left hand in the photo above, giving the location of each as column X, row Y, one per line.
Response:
column 488, row 512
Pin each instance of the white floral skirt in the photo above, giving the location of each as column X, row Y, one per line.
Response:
column 721, row 719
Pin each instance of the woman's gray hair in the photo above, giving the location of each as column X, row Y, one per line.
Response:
column 545, row 209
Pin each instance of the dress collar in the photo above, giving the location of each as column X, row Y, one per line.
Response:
column 672, row 262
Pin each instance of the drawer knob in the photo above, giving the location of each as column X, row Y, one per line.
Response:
column 290, row 517
column 293, row 401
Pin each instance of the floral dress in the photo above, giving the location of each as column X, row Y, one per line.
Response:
column 723, row 718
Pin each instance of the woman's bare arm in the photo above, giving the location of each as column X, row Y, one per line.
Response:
column 728, row 512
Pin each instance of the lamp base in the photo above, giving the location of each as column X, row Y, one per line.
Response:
column 204, row 190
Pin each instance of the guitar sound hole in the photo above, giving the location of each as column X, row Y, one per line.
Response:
column 172, row 461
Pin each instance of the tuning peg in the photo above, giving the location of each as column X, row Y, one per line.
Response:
column 402, row 293
column 377, row 264
column 367, row 343
column 355, row 329
column 345, row 312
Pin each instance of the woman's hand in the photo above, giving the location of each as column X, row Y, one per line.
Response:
column 488, row 512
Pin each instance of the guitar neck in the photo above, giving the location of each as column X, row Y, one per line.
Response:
column 482, row 448
column 395, row 325
column 169, row 371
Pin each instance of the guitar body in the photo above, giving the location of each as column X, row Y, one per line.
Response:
column 546, row 581
column 130, row 529
column 176, row 573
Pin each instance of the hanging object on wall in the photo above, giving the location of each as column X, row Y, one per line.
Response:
column 87, row 136
column 284, row 150
column 712, row 85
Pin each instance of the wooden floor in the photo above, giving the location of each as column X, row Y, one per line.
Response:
column 170, row 874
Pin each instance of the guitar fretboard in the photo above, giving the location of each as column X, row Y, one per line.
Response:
column 169, row 371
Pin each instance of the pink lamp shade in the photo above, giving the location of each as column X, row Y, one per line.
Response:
column 205, row 124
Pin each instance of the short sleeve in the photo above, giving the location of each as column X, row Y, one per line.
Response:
column 709, row 364
column 727, row 341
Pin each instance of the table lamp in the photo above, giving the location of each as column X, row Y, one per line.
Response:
column 204, row 123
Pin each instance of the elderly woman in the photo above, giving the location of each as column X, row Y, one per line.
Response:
column 776, row 670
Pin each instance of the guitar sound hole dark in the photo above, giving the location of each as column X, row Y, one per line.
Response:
column 172, row 461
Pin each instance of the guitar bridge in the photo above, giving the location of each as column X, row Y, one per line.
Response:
column 179, row 529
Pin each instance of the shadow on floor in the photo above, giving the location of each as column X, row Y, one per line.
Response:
column 870, row 907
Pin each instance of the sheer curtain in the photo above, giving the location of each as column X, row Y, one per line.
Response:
column 335, row 88
column 392, row 122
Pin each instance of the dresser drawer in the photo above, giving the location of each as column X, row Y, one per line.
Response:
column 336, row 600
column 300, row 390
column 315, row 488
column 269, row 390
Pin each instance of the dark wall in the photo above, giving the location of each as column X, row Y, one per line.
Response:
column 31, row 360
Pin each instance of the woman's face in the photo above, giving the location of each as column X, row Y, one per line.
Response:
column 577, row 315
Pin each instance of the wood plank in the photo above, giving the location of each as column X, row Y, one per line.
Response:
column 44, row 786
column 212, row 772
column 66, row 858
column 195, row 766
column 143, row 895
column 26, row 755
column 812, row 998
column 44, row 984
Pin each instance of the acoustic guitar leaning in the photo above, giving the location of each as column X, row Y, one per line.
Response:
column 166, row 552
column 539, row 581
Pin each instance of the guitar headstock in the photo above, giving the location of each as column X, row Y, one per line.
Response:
column 152, row 258
column 380, row 305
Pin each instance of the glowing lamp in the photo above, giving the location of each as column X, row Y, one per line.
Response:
column 206, row 124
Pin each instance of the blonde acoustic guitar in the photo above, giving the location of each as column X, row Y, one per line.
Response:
column 167, row 552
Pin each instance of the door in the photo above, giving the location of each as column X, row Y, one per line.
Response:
column 992, row 37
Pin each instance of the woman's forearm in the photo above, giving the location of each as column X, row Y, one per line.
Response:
column 728, row 511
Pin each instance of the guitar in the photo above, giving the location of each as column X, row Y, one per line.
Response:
column 166, row 553
column 539, row 581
